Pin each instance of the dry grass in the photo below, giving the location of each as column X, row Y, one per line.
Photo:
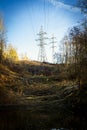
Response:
column 18, row 79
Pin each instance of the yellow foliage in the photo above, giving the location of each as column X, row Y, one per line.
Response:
column 11, row 53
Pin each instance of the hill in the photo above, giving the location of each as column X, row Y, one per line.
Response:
column 39, row 87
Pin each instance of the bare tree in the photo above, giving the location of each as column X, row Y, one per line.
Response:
column 2, row 39
column 83, row 5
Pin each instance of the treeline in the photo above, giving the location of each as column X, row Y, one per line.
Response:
column 7, row 51
column 73, row 52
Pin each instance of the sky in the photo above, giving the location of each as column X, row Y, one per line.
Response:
column 24, row 18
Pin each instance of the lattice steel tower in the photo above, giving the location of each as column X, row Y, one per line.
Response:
column 42, row 52
column 53, row 46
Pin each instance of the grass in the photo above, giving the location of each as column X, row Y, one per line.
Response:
column 37, row 92
column 17, row 78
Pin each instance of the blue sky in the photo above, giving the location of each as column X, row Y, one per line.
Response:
column 23, row 19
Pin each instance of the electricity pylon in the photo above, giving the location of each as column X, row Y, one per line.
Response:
column 42, row 53
column 53, row 46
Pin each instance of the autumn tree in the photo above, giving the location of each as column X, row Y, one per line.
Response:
column 11, row 53
column 2, row 39
column 24, row 57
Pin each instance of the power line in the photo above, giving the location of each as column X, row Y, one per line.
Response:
column 47, row 23
column 30, row 17
column 44, row 14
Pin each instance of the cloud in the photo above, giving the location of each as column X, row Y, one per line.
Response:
column 65, row 6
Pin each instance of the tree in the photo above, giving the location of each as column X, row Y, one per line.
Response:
column 78, row 36
column 83, row 5
column 11, row 53
column 74, row 52
column 2, row 39
column 24, row 57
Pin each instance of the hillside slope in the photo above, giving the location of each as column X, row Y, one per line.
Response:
column 37, row 87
